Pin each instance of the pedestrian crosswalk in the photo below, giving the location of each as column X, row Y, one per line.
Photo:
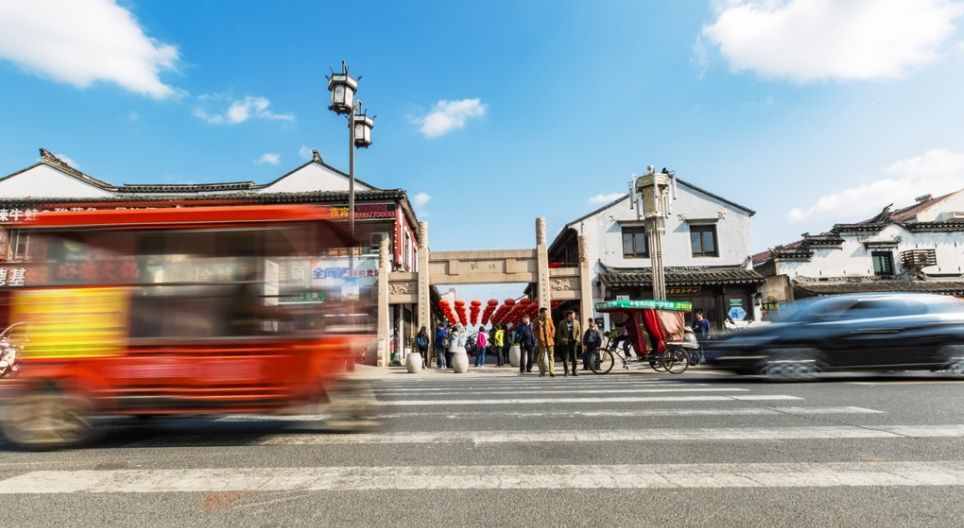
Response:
column 488, row 415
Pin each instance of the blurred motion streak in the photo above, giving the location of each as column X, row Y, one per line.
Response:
column 203, row 310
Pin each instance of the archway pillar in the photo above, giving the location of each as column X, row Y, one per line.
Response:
column 424, row 308
column 542, row 265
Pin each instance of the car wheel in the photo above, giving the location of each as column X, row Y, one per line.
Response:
column 49, row 419
column 791, row 364
column 953, row 356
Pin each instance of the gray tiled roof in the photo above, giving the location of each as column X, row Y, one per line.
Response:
column 681, row 276
column 869, row 286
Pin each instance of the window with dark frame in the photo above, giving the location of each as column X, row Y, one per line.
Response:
column 883, row 263
column 635, row 242
column 703, row 241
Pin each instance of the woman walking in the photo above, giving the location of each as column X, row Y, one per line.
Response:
column 421, row 344
column 481, row 344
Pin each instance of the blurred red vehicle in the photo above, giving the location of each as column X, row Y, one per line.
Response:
column 173, row 311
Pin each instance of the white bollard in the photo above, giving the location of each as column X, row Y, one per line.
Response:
column 413, row 362
column 460, row 361
column 515, row 355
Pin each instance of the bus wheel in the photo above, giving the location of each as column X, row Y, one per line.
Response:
column 48, row 419
column 350, row 407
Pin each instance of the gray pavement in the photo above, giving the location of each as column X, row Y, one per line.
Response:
column 495, row 449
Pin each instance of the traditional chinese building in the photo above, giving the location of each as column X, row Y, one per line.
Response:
column 913, row 248
column 706, row 252
column 51, row 184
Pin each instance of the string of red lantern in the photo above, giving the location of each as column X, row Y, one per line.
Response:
column 460, row 311
column 476, row 307
column 500, row 314
column 489, row 310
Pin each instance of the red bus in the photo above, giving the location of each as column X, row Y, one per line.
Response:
column 175, row 311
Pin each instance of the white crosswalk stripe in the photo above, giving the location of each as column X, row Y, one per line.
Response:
column 612, row 399
column 946, row 473
column 741, row 411
column 571, row 391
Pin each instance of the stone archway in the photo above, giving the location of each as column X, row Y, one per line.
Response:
column 476, row 267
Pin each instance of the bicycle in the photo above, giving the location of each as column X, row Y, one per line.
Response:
column 674, row 359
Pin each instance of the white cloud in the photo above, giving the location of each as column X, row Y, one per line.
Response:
column 240, row 110
column 421, row 199
column 447, row 116
column 305, row 153
column 67, row 159
column 808, row 40
column 82, row 42
column 269, row 158
column 605, row 198
column 937, row 171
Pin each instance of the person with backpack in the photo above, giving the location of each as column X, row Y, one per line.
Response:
column 527, row 342
column 591, row 343
column 481, row 344
column 441, row 356
column 421, row 343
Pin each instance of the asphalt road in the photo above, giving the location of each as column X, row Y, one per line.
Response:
column 492, row 449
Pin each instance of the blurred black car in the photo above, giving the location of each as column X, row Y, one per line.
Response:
column 880, row 331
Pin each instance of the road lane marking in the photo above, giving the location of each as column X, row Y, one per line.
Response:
column 698, row 434
column 535, row 386
column 740, row 411
column 608, row 399
column 567, row 391
column 358, row 478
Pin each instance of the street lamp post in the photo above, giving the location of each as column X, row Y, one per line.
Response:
column 656, row 191
column 343, row 88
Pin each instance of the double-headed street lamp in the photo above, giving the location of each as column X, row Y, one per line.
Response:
column 343, row 88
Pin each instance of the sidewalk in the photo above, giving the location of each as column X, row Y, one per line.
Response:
column 388, row 373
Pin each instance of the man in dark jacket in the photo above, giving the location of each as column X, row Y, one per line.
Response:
column 568, row 336
column 527, row 341
column 591, row 342
column 441, row 340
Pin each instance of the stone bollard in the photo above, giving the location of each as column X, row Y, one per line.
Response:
column 515, row 355
column 413, row 362
column 460, row 361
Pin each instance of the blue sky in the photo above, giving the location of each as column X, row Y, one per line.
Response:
column 810, row 112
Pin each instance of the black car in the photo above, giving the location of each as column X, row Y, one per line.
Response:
column 880, row 331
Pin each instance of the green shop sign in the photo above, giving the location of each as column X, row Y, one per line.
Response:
column 652, row 304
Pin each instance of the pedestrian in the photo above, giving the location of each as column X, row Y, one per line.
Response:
column 701, row 326
column 526, row 341
column 498, row 342
column 568, row 337
column 507, row 341
column 421, row 343
column 481, row 344
column 441, row 337
column 545, row 331
column 455, row 336
column 591, row 342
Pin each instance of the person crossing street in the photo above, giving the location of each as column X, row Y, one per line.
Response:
column 591, row 342
column 545, row 335
column 568, row 337
column 526, row 341
column 441, row 338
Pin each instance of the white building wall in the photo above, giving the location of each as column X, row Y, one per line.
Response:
column 47, row 182
column 605, row 243
column 313, row 177
column 854, row 259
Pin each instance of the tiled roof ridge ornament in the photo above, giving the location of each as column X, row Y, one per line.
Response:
column 50, row 157
column 316, row 156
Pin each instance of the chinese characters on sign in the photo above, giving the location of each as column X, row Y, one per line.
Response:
column 13, row 277
column 16, row 215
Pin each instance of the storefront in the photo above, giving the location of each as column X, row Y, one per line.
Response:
column 720, row 292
